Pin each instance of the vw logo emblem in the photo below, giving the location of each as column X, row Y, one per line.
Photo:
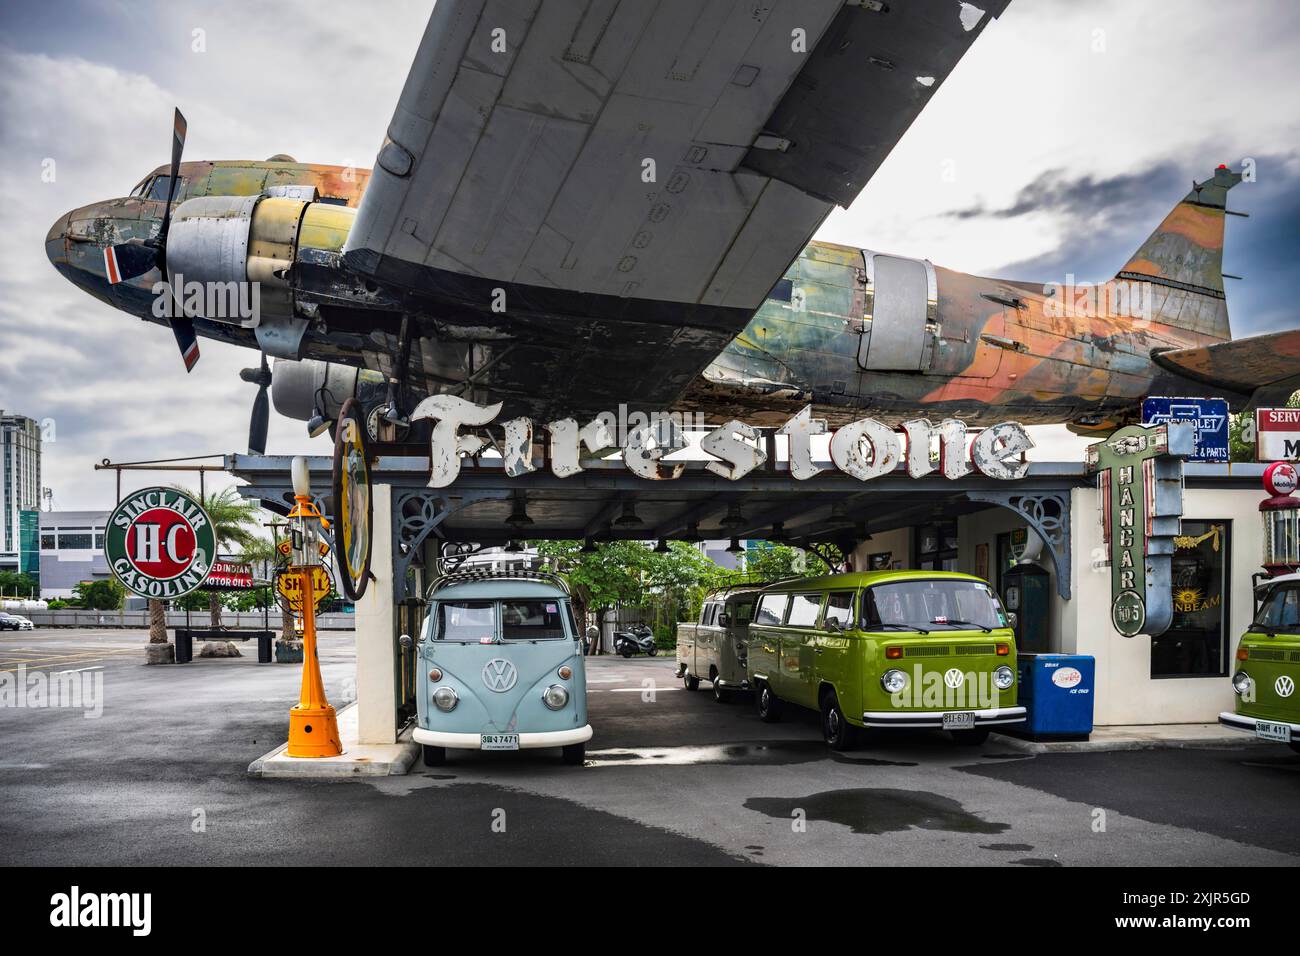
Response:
column 499, row 675
column 1284, row 686
column 954, row 678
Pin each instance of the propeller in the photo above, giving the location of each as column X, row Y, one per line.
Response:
column 134, row 258
column 260, row 418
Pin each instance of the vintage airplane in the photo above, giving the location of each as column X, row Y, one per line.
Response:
column 579, row 205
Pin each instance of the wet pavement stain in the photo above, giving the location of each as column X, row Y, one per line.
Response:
column 879, row 811
column 768, row 754
column 1007, row 847
column 1007, row 756
column 1037, row 861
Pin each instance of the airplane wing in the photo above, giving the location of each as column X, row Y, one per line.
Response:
column 1266, row 367
column 599, row 194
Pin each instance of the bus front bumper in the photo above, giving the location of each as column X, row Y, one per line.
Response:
column 1250, row 725
column 455, row 741
column 934, row 718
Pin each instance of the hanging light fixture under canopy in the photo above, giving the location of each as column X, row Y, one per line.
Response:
column 628, row 519
column 735, row 518
column 519, row 514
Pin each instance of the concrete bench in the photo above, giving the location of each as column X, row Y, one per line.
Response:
column 186, row 636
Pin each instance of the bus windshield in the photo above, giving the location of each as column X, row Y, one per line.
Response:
column 1280, row 611
column 466, row 621
column 928, row 605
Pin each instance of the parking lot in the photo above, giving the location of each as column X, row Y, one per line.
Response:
column 672, row 778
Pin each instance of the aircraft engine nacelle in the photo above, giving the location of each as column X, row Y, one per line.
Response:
column 230, row 259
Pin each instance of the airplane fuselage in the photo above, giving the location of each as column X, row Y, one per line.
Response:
column 854, row 332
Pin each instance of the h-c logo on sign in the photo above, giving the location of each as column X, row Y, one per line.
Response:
column 149, row 543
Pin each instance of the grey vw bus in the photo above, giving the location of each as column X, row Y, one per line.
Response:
column 713, row 649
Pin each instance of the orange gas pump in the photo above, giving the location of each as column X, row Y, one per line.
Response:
column 313, row 726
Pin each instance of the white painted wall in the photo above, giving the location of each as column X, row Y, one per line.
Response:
column 898, row 541
column 376, row 653
column 1126, row 692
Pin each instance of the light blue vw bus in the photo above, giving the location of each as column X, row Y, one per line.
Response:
column 499, row 666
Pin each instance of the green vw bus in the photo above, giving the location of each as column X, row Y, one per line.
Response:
column 885, row 649
column 1268, row 667
column 501, row 660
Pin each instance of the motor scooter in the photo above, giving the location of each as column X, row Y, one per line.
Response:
column 635, row 639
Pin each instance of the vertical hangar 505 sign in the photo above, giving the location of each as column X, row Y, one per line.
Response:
column 1139, row 473
column 160, row 543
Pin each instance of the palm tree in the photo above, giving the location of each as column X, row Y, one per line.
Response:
column 262, row 552
column 157, row 622
column 233, row 519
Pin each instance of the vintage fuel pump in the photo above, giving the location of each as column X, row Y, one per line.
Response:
column 1280, row 513
column 313, row 726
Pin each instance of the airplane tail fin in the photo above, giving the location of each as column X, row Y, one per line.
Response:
column 1183, row 261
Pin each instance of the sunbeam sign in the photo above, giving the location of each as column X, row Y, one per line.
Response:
column 160, row 543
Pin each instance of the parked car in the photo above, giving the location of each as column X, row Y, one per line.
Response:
column 886, row 649
column 1267, row 675
column 14, row 622
column 713, row 649
column 501, row 666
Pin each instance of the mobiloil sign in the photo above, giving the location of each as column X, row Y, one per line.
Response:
column 160, row 543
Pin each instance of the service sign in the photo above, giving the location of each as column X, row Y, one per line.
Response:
column 1209, row 418
column 159, row 543
column 1277, row 434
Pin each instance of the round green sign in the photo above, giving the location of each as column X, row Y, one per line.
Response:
column 1128, row 613
column 160, row 543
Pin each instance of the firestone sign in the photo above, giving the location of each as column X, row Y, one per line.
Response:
column 864, row 449
column 160, row 543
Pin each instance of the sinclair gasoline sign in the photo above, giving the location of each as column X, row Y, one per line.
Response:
column 159, row 543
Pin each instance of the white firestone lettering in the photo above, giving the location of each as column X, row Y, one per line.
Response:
column 446, row 445
column 731, row 443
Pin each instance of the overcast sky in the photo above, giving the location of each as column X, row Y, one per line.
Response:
column 1057, row 145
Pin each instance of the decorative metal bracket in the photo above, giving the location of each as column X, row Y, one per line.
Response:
column 416, row 515
column 1048, row 513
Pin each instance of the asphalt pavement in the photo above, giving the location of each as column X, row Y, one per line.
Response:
column 672, row 778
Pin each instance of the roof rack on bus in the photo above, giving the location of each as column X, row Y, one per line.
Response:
column 468, row 577
column 756, row 584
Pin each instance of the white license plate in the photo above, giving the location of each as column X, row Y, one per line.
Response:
column 1270, row 731
column 498, row 742
column 964, row 720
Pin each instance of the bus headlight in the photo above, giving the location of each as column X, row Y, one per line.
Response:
column 1004, row 677
column 445, row 699
column 1241, row 682
column 893, row 681
column 555, row 697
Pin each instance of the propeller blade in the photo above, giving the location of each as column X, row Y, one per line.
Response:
column 188, row 341
column 261, row 416
column 178, row 147
column 128, row 260
column 258, row 422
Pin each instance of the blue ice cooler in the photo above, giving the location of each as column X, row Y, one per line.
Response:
column 1057, row 691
